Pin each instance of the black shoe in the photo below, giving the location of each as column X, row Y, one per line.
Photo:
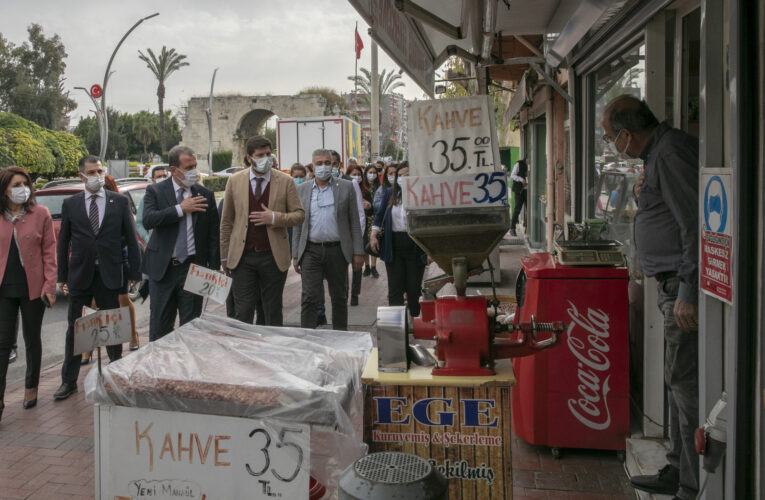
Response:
column 375, row 274
column 354, row 300
column 666, row 482
column 65, row 391
column 29, row 404
column 86, row 359
column 13, row 355
column 513, row 233
column 367, row 271
column 322, row 320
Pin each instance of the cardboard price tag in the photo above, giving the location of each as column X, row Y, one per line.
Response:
column 101, row 328
column 208, row 283
column 486, row 189
column 149, row 454
column 452, row 137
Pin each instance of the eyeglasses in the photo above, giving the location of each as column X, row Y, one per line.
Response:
column 607, row 138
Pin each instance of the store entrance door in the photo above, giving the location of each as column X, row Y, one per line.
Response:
column 538, row 184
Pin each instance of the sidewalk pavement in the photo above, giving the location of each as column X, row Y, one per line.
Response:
column 47, row 452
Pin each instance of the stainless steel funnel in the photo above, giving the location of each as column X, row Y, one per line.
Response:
column 470, row 233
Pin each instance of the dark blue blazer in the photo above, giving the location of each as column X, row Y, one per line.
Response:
column 79, row 248
column 386, row 245
column 160, row 215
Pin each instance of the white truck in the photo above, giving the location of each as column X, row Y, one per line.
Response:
column 297, row 138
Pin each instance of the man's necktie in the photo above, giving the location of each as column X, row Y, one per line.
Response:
column 258, row 187
column 181, row 243
column 93, row 213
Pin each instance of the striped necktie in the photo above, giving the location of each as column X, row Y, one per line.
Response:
column 93, row 213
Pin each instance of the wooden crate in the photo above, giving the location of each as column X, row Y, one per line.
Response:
column 460, row 424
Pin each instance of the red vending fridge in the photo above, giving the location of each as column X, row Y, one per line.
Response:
column 576, row 395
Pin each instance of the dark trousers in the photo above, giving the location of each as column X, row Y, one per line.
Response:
column 405, row 273
column 105, row 299
column 31, row 320
column 520, row 201
column 258, row 281
column 681, row 374
column 356, row 283
column 318, row 263
column 168, row 298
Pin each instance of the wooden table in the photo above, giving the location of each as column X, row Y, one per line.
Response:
column 460, row 424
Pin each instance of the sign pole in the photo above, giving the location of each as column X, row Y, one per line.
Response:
column 100, row 373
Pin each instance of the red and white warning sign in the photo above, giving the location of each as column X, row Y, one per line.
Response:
column 716, row 266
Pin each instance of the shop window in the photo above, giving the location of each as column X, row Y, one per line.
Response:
column 611, row 177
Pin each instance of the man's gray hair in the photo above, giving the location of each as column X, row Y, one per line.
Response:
column 321, row 152
column 174, row 156
column 631, row 113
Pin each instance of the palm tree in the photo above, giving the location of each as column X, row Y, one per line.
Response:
column 387, row 83
column 163, row 66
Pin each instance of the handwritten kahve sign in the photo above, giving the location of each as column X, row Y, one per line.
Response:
column 101, row 328
column 485, row 189
column 452, row 137
column 207, row 283
column 149, row 454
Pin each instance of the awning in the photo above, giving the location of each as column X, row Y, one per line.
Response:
column 421, row 34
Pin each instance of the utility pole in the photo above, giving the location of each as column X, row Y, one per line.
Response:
column 375, row 111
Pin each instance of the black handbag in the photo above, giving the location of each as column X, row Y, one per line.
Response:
column 380, row 236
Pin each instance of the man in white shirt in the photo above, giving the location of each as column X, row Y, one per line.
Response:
column 519, row 176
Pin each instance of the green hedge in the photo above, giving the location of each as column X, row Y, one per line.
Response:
column 221, row 160
column 36, row 149
column 215, row 183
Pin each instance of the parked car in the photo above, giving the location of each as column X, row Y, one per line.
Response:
column 53, row 198
column 228, row 172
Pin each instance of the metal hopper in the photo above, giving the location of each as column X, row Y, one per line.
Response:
column 449, row 234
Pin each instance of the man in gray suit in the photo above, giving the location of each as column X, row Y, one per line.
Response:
column 327, row 241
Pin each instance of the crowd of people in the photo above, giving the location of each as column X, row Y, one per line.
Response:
column 321, row 218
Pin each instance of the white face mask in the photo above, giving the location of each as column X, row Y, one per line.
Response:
column 391, row 179
column 20, row 194
column 400, row 181
column 261, row 165
column 335, row 172
column 190, row 178
column 95, row 182
column 614, row 150
column 356, row 178
column 323, row 172
column 371, row 177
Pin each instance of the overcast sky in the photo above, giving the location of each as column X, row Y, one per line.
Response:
column 261, row 46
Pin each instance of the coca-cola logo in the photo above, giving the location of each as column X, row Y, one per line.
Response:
column 587, row 340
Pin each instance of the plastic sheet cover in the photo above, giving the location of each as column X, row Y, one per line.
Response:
column 220, row 366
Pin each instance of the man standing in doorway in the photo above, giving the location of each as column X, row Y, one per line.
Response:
column 95, row 227
column 519, row 176
column 260, row 204
column 667, row 208
column 327, row 241
column 183, row 218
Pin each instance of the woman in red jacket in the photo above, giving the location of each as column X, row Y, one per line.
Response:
column 27, row 274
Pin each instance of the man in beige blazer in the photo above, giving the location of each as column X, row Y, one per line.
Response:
column 260, row 203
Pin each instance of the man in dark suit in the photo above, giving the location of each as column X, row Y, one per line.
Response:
column 184, row 219
column 95, row 227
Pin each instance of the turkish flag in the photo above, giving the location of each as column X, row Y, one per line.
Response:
column 359, row 45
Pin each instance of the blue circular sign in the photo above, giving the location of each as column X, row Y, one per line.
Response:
column 715, row 205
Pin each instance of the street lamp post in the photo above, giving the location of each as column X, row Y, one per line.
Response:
column 103, row 118
column 208, row 113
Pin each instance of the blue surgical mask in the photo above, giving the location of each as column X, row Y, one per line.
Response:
column 299, row 180
column 323, row 172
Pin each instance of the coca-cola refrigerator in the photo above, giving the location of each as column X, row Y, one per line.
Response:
column 577, row 394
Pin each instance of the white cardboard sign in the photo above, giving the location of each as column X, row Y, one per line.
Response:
column 452, row 137
column 151, row 454
column 207, row 283
column 485, row 189
column 101, row 328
